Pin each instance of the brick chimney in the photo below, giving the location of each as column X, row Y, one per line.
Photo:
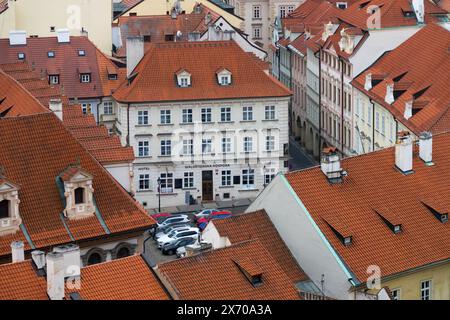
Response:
column 426, row 147
column 55, row 276
column 404, row 152
column 17, row 251
column 368, row 83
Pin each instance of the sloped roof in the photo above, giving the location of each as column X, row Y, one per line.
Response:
column 257, row 225
column 427, row 68
column 217, row 275
column 155, row 80
column 373, row 182
column 121, row 279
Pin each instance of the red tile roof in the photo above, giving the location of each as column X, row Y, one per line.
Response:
column 257, row 225
column 426, row 69
column 122, row 279
column 155, row 80
column 67, row 63
column 217, row 275
column 373, row 183
column 35, row 150
column 3, row 6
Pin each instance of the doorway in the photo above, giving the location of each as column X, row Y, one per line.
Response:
column 207, row 186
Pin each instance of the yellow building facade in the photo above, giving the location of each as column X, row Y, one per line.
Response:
column 44, row 17
column 160, row 7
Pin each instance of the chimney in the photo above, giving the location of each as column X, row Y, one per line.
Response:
column 404, row 152
column 17, row 37
column 55, row 276
column 17, row 251
column 63, row 35
column 331, row 164
column 408, row 109
column 418, row 7
column 38, row 258
column 426, row 147
column 56, row 106
column 135, row 53
column 72, row 261
column 389, row 98
column 368, row 83
column 328, row 31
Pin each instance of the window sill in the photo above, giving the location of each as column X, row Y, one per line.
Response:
column 187, row 189
column 248, row 190
column 226, row 187
column 143, row 125
column 186, row 123
column 244, row 121
column 208, row 122
column 168, row 194
column 144, row 191
column 225, row 122
column 165, row 124
column 144, row 158
column 270, row 120
column 168, row 156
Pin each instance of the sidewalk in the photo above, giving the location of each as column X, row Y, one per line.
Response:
column 232, row 205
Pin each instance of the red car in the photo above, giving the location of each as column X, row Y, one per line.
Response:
column 203, row 222
column 160, row 216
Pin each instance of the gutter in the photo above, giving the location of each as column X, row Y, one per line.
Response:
column 350, row 276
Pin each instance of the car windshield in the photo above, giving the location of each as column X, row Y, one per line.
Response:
column 171, row 234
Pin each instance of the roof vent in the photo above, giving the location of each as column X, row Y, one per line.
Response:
column 251, row 271
column 331, row 165
column 339, row 228
column 38, row 258
column 439, row 208
column 404, row 152
column 426, row 148
column 17, row 37
column 390, row 218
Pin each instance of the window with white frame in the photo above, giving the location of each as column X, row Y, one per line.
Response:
column 247, row 113
column 53, row 79
column 166, row 147
column 257, row 12
column 187, row 115
column 425, row 290
column 270, row 143
column 207, row 145
column 226, row 145
column 166, row 182
column 188, row 180
column 248, row 178
column 224, row 77
column 108, row 107
column 269, row 175
column 226, row 178
column 86, row 108
column 143, row 117
column 143, row 148
column 188, row 147
column 184, row 82
column 144, row 182
column 270, row 113
column 166, row 117
column 225, row 114
column 395, row 294
column 256, row 32
column 206, row 115
column 283, row 11
column 248, row 144
column 85, row 78
column 184, row 79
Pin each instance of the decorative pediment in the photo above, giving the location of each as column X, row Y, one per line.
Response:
column 10, row 220
column 223, row 76
column 183, row 78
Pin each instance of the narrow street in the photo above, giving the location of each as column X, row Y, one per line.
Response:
column 301, row 159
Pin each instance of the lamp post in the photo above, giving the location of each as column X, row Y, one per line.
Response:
column 159, row 195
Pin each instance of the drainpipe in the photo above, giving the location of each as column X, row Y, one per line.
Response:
column 320, row 100
column 98, row 110
column 342, row 97
column 373, row 124
column 128, row 125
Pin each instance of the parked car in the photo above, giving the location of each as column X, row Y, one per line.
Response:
column 203, row 222
column 166, row 230
column 198, row 246
column 171, row 248
column 160, row 217
column 204, row 213
column 176, row 234
column 182, row 218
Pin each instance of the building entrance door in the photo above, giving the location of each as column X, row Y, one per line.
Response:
column 207, row 186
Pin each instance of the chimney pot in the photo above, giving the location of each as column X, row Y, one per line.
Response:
column 55, row 276
column 404, row 152
column 426, row 147
column 331, row 164
column 17, row 251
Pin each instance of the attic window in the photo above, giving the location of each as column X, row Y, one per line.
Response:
column 79, row 195
column 21, row 56
column 224, row 77
column 81, row 53
column 251, row 271
column 362, row 5
column 341, row 231
column 390, row 218
column 183, row 78
column 4, row 209
column 147, row 38
column 437, row 208
column 169, row 37
column 10, row 220
column 51, row 54
column 419, row 93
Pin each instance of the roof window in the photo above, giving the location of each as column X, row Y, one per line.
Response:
column 390, row 218
column 251, row 271
column 438, row 208
column 340, row 229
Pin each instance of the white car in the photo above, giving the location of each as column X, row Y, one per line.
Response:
column 177, row 234
column 182, row 218
column 205, row 213
column 172, row 228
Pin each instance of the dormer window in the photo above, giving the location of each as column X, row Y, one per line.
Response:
column 183, row 78
column 78, row 193
column 223, row 77
column 348, row 241
column 438, row 207
column 53, row 79
column 340, row 229
column 250, row 270
column 21, row 56
column 85, row 77
column 81, row 53
column 390, row 218
column 10, row 220
column 51, row 54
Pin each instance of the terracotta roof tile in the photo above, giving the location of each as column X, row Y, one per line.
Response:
column 257, row 225
column 156, row 73
column 218, row 277
column 373, row 182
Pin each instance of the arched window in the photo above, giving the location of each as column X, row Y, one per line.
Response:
column 4, row 209
column 94, row 258
column 123, row 252
column 79, row 195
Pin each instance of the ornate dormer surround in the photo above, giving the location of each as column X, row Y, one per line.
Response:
column 10, row 219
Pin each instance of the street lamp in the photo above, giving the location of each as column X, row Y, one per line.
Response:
column 159, row 195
